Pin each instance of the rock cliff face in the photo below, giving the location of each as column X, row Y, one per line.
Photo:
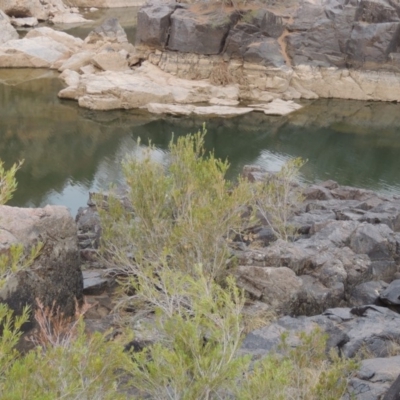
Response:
column 328, row 48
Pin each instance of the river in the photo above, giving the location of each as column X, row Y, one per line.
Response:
column 69, row 151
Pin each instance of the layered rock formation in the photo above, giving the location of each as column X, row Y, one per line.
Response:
column 308, row 50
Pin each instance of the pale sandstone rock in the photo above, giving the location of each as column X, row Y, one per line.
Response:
column 54, row 10
column 89, row 69
column 69, row 18
column 72, row 42
column 29, row 21
column 106, row 3
column 7, row 31
column 146, row 84
column 71, row 78
column 277, row 107
column 223, row 102
column 211, row 111
column 41, row 52
column 41, row 48
column 77, row 61
column 111, row 61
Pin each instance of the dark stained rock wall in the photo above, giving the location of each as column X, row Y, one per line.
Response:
column 338, row 33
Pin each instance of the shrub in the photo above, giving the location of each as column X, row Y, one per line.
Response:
column 82, row 367
column 8, row 183
column 184, row 213
column 277, row 196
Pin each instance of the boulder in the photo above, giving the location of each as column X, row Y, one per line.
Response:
column 144, row 85
column 376, row 241
column 41, row 52
column 373, row 379
column 376, row 11
column 367, row 328
column 109, row 31
column 192, row 32
column 25, row 22
column 55, row 276
column 277, row 287
column 42, row 10
column 265, row 52
column 372, row 42
column 367, row 293
column 111, row 60
column 391, row 295
column 7, row 31
column 153, row 24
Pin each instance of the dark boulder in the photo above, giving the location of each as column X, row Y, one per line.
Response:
column 193, row 32
column 367, row 293
column 266, row 52
column 372, row 42
column 54, row 277
column 391, row 295
column 153, row 25
column 376, row 11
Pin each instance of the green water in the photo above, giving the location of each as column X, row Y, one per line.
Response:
column 69, row 151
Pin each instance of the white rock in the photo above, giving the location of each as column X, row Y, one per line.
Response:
column 29, row 21
column 223, row 102
column 69, row 18
column 144, row 85
column 211, row 111
column 7, row 31
column 93, row 9
column 111, row 61
column 77, row 61
column 71, row 78
column 106, row 3
column 277, row 107
column 88, row 69
column 41, row 52
column 72, row 42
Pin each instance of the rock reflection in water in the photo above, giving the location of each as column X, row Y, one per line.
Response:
column 69, row 151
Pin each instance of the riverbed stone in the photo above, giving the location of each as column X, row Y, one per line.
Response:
column 54, row 277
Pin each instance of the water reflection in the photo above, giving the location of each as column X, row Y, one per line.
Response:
column 69, row 151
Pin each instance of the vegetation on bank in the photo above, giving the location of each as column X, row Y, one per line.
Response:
column 168, row 246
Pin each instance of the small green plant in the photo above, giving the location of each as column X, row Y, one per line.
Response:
column 16, row 260
column 8, row 183
column 77, row 367
column 277, row 196
column 199, row 335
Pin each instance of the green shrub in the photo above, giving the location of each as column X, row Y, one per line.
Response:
column 277, row 196
column 184, row 213
column 8, row 183
column 82, row 368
